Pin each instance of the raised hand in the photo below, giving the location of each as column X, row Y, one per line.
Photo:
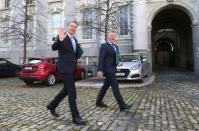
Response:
column 61, row 33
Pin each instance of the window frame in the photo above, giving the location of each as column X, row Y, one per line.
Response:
column 3, row 31
column 29, row 29
column 7, row 4
column 87, row 19
column 124, row 20
column 52, row 27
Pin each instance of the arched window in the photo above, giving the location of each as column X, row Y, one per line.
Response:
column 124, row 20
column 87, row 24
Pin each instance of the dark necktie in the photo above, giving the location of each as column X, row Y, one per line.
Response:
column 117, row 56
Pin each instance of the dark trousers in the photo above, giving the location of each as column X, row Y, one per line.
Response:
column 111, row 80
column 70, row 90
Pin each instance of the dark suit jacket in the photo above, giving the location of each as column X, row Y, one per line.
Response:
column 67, row 58
column 107, row 61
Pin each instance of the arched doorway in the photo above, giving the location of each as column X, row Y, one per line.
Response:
column 164, row 52
column 172, row 43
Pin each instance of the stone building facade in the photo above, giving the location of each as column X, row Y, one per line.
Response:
column 165, row 31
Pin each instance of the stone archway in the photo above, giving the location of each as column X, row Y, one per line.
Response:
column 173, row 24
column 164, row 52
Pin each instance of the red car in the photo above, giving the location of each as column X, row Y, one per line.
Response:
column 44, row 69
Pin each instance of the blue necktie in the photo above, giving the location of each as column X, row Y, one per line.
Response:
column 114, row 47
column 73, row 43
column 117, row 56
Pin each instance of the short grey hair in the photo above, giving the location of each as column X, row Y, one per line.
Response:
column 72, row 21
column 111, row 31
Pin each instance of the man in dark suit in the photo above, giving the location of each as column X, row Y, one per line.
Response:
column 68, row 53
column 107, row 63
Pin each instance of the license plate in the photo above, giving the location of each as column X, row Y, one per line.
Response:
column 120, row 74
column 28, row 68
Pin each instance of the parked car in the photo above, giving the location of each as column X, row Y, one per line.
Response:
column 133, row 67
column 7, row 68
column 44, row 69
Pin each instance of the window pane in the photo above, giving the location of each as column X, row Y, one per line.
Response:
column 56, row 23
column 29, row 1
column 3, row 62
column 4, row 30
column 30, row 29
column 124, row 21
column 87, row 21
column 7, row 3
column 5, row 25
column 34, row 61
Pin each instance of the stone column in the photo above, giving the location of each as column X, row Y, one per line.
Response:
column 140, row 25
column 195, row 30
column 141, row 33
column 150, row 57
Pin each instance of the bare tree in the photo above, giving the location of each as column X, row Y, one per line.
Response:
column 107, row 15
column 22, row 21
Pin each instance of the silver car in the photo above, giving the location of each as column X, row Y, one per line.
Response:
column 132, row 67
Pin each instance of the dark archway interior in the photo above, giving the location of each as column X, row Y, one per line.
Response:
column 172, row 43
column 164, row 52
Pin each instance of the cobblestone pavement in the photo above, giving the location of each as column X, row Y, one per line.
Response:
column 171, row 103
column 96, row 82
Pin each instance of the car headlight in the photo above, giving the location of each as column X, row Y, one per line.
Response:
column 135, row 67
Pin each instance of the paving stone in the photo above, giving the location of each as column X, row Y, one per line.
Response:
column 86, row 128
column 171, row 103
column 121, row 128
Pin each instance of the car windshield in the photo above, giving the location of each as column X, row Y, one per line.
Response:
column 129, row 58
column 34, row 61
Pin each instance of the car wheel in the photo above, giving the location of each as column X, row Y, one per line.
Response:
column 28, row 82
column 51, row 79
column 82, row 75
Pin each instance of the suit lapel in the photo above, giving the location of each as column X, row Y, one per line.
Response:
column 69, row 44
column 76, row 45
column 111, row 48
column 116, row 48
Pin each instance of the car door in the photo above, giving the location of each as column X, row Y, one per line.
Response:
column 4, row 67
column 54, row 63
column 10, row 69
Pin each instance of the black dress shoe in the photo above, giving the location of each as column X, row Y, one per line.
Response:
column 125, row 107
column 79, row 121
column 101, row 104
column 52, row 111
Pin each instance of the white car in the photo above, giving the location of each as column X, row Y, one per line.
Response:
column 132, row 67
